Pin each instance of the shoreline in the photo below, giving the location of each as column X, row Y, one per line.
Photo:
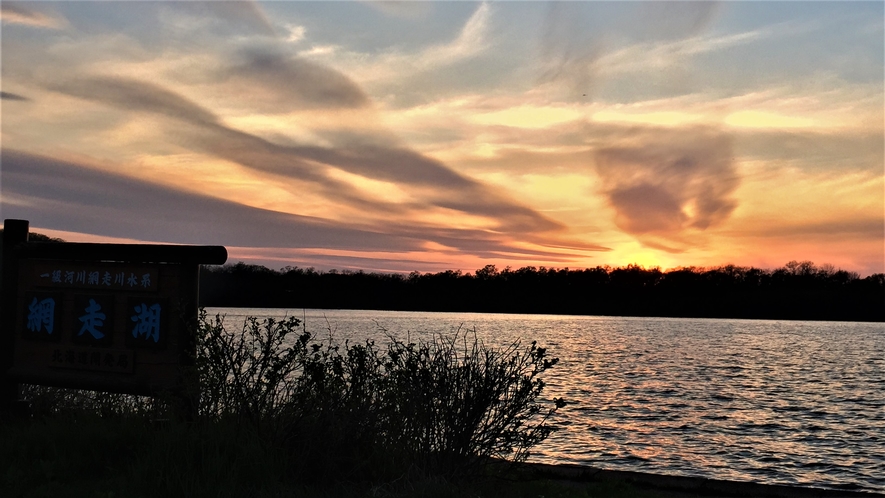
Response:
column 675, row 317
column 684, row 486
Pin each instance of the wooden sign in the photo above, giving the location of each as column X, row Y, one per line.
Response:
column 108, row 317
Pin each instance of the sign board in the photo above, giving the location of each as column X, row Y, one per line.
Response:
column 109, row 317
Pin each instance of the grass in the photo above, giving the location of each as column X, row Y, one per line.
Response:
column 283, row 415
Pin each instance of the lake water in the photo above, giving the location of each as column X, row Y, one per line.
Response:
column 778, row 402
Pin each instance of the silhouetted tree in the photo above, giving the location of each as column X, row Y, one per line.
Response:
column 799, row 290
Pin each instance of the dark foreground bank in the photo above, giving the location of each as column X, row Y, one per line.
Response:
column 91, row 458
column 798, row 291
column 680, row 486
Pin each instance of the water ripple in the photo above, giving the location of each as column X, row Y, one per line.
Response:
column 781, row 402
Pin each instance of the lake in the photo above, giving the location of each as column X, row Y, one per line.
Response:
column 776, row 402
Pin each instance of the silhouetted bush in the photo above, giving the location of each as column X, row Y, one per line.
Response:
column 357, row 411
column 249, row 373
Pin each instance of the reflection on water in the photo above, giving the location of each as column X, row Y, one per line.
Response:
column 765, row 401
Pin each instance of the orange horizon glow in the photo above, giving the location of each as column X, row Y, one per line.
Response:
column 437, row 259
column 472, row 134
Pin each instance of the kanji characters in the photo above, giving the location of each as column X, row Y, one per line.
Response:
column 147, row 322
column 92, row 320
column 41, row 315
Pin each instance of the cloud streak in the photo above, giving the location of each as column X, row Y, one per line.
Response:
column 402, row 166
column 67, row 195
column 281, row 83
column 18, row 13
column 13, row 96
column 71, row 196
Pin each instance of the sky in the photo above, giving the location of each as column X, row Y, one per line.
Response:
column 428, row 136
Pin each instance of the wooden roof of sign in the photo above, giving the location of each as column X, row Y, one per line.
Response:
column 140, row 253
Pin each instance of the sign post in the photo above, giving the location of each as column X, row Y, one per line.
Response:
column 15, row 232
column 104, row 317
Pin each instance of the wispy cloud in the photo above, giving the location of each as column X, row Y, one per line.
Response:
column 19, row 13
column 296, row 33
column 654, row 56
column 246, row 15
column 470, row 41
column 861, row 229
column 399, row 63
column 575, row 48
column 403, row 10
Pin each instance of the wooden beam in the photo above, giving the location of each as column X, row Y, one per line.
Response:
column 135, row 253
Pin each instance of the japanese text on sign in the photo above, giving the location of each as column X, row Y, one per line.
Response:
column 86, row 277
column 91, row 359
column 41, row 315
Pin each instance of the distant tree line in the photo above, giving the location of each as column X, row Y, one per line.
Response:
column 797, row 291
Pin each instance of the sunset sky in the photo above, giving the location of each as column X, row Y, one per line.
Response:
column 401, row 136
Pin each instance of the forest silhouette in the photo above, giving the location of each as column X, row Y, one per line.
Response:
column 797, row 291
